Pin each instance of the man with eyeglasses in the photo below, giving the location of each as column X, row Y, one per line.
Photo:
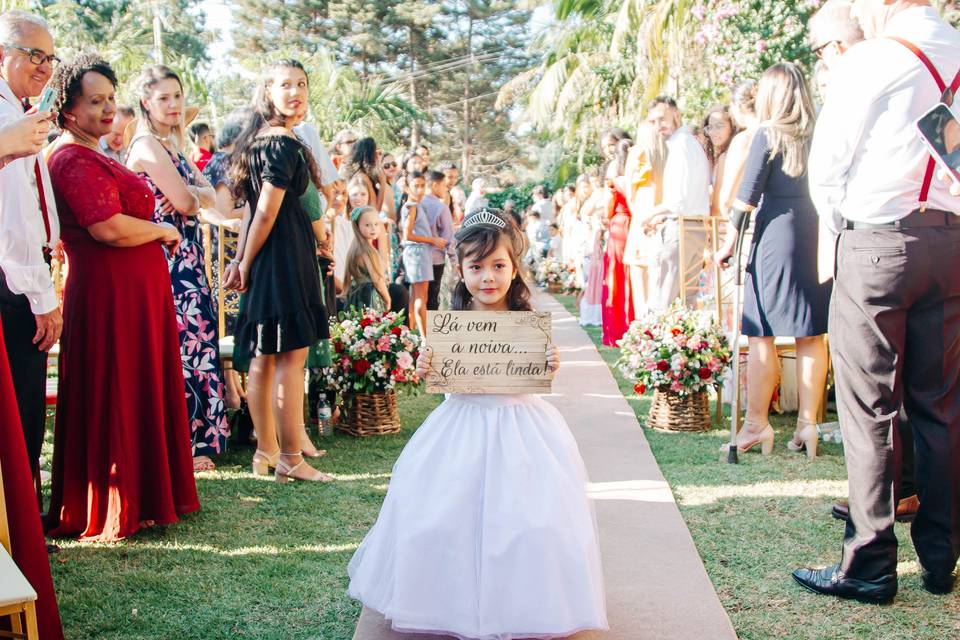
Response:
column 29, row 228
column 832, row 31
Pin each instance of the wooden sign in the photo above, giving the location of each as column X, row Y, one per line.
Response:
column 488, row 351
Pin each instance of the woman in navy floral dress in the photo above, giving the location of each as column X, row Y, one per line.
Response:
column 181, row 190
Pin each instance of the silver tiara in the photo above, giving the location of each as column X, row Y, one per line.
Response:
column 484, row 216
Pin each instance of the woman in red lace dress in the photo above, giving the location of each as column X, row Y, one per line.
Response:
column 122, row 441
column 617, row 297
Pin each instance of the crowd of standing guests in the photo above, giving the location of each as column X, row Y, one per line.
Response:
column 120, row 196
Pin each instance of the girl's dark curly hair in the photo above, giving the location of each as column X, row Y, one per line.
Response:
column 263, row 114
column 479, row 241
column 67, row 80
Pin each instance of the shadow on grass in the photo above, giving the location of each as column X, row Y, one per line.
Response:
column 259, row 560
column 755, row 522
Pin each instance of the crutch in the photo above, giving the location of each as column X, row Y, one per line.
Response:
column 741, row 220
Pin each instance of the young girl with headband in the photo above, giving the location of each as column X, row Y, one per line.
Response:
column 486, row 530
column 364, row 281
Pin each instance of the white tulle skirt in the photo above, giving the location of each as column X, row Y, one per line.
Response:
column 486, row 531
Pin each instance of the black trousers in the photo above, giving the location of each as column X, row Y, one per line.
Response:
column 895, row 339
column 28, row 366
column 399, row 297
column 433, row 291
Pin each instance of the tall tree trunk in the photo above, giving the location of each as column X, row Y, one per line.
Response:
column 414, row 126
column 465, row 152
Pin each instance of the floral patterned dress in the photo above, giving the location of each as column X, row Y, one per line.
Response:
column 197, row 326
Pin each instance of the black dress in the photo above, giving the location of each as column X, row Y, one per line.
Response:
column 282, row 309
column 782, row 292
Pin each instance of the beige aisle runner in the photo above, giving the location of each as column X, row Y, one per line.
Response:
column 656, row 585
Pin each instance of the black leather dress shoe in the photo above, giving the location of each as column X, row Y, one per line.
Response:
column 831, row 582
column 938, row 583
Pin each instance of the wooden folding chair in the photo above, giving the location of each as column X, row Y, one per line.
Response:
column 17, row 597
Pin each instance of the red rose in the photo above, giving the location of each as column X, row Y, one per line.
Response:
column 396, row 331
column 338, row 347
column 704, row 373
column 366, row 322
column 640, row 388
column 675, row 331
column 663, row 365
column 361, row 367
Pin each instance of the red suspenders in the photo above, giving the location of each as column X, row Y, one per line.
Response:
column 946, row 97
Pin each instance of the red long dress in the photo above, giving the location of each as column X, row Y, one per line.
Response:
column 23, row 515
column 122, row 441
column 617, row 298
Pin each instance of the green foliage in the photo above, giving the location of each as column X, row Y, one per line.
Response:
column 121, row 31
column 520, row 194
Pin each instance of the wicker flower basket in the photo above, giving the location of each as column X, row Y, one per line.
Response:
column 370, row 414
column 554, row 287
column 672, row 412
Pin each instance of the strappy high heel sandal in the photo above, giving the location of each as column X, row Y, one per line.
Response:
column 749, row 438
column 300, row 471
column 805, row 437
column 263, row 462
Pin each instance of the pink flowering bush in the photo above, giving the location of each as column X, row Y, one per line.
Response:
column 739, row 39
column 681, row 350
column 372, row 352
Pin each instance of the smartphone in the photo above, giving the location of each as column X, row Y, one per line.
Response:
column 46, row 99
column 939, row 130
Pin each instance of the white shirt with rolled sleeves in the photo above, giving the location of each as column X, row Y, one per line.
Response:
column 686, row 176
column 867, row 162
column 23, row 235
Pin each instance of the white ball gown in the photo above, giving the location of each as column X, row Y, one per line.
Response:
column 486, row 531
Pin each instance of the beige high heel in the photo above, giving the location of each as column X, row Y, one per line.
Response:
column 300, row 471
column 805, row 437
column 763, row 437
column 263, row 462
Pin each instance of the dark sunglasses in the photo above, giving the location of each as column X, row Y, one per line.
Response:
column 819, row 50
column 389, row 165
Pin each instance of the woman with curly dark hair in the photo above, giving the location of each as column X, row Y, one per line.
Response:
column 122, row 442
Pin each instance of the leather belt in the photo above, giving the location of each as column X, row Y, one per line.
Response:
column 916, row 219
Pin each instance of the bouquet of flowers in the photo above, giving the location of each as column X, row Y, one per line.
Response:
column 551, row 272
column 680, row 350
column 372, row 352
column 571, row 284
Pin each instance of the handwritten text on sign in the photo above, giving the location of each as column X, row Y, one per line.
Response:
column 488, row 351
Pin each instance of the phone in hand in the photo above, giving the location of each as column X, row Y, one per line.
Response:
column 46, row 99
column 939, row 130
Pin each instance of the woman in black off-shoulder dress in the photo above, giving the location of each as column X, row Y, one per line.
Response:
column 282, row 312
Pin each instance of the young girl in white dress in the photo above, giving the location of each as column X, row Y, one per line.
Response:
column 486, row 531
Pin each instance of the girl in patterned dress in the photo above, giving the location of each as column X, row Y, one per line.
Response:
column 181, row 190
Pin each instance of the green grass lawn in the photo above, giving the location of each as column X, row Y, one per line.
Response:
column 259, row 560
column 266, row 561
column 755, row 522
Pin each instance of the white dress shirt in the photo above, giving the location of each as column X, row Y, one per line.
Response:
column 474, row 203
column 686, row 176
column 867, row 162
column 545, row 209
column 22, row 232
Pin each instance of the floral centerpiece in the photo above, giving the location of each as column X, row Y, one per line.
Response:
column 551, row 274
column 374, row 355
column 679, row 353
column 571, row 283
